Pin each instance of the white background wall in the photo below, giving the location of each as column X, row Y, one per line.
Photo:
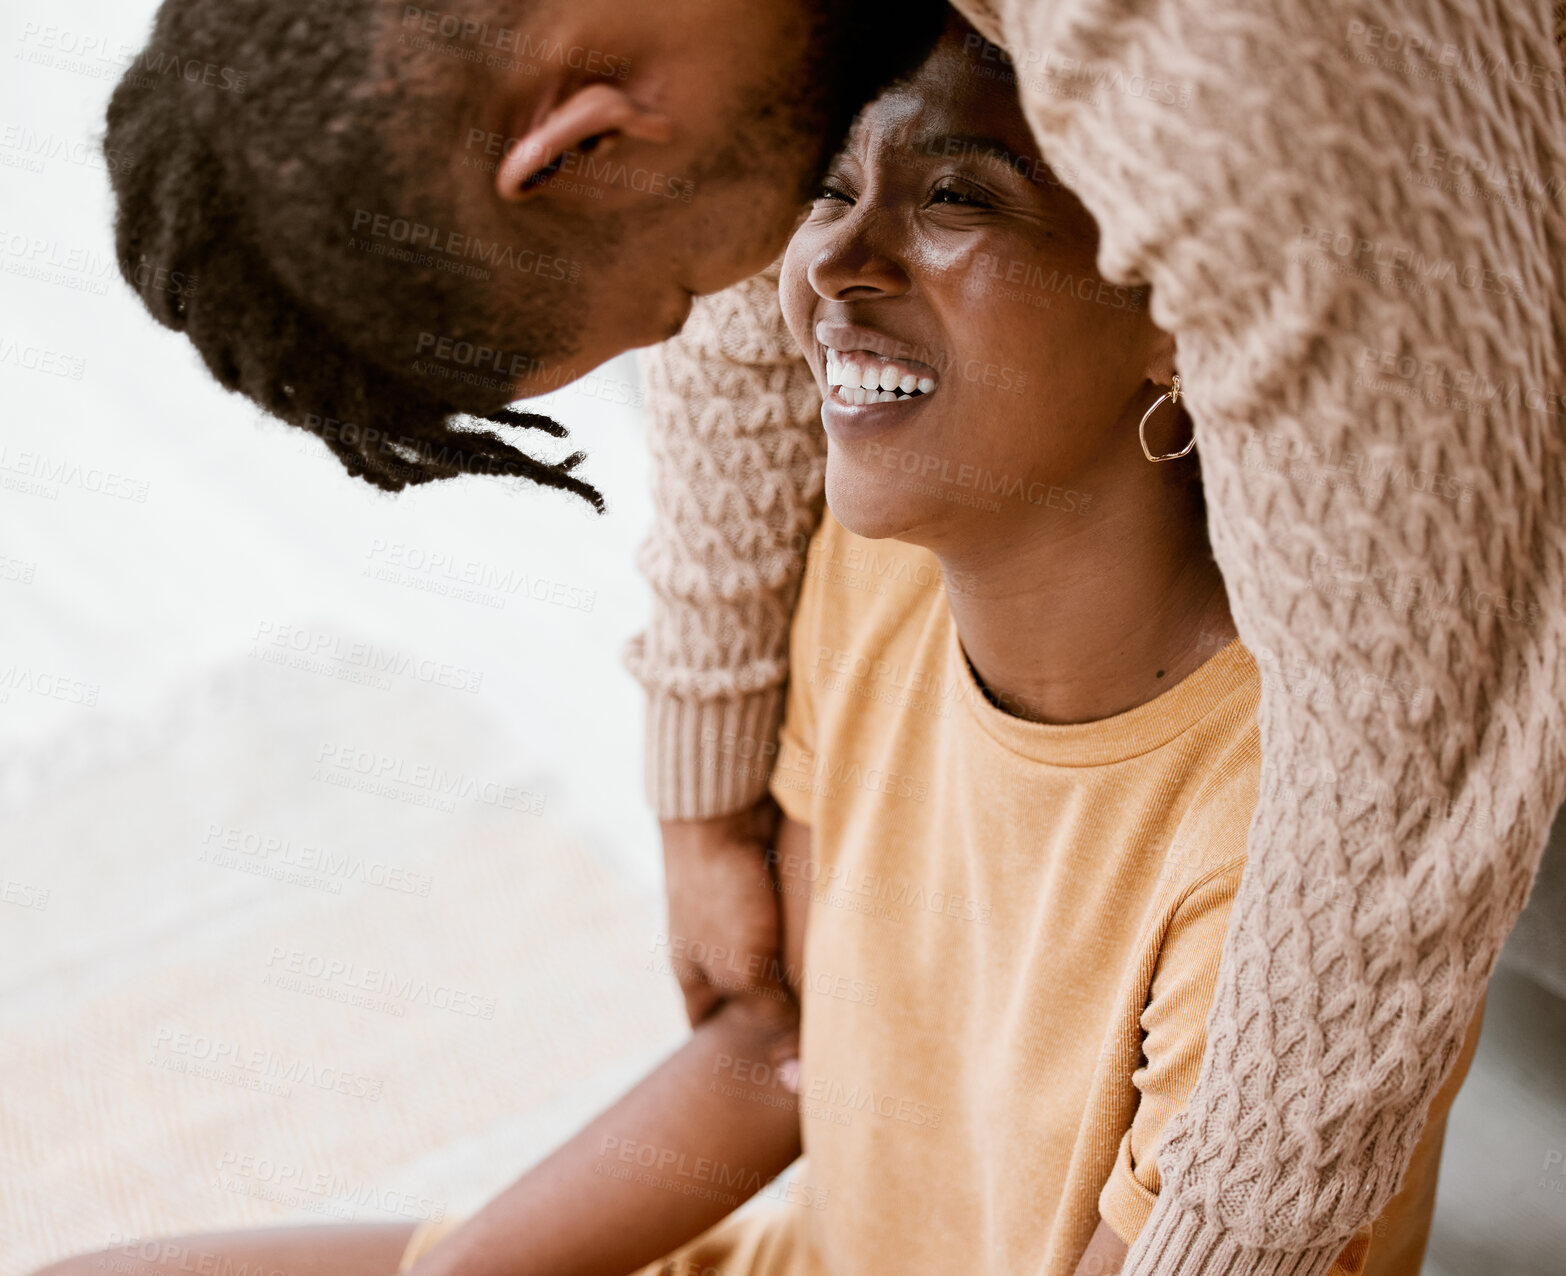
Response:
column 126, row 938
column 247, row 522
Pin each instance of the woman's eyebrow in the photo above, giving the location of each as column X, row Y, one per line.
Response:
column 972, row 146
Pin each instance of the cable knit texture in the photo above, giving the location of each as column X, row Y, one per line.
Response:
column 1372, row 346
column 739, row 481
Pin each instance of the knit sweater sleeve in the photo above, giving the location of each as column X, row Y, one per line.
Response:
column 1372, row 349
column 738, row 471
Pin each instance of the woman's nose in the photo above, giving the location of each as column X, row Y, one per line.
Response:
column 860, row 258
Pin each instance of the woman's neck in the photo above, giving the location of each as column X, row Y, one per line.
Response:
column 1076, row 625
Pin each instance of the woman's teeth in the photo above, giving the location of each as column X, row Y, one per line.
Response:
column 866, row 378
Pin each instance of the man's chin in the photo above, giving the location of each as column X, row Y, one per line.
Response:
column 714, row 274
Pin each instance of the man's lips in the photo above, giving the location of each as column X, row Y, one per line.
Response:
column 866, row 366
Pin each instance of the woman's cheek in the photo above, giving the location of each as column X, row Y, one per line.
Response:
column 959, row 285
column 974, row 290
column 795, row 294
column 960, row 272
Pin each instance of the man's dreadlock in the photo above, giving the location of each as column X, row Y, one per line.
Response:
column 286, row 98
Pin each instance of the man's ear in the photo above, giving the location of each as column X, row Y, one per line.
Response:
column 593, row 117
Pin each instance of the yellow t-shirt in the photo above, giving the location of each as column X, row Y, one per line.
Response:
column 1014, row 937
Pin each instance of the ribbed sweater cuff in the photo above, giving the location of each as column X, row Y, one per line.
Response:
column 1176, row 1242
column 707, row 758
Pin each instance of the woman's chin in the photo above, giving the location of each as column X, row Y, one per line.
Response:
column 873, row 506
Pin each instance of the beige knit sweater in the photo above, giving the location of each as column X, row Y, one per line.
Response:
column 1352, row 221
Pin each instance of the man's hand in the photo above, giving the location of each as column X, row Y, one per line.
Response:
column 724, row 930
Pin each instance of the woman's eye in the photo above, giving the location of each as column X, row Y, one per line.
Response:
column 965, row 195
column 832, row 191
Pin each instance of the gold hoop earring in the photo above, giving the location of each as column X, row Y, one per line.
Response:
column 1173, row 395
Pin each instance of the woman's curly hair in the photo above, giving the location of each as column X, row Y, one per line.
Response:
column 265, row 131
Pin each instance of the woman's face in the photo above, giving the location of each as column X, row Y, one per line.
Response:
column 943, row 263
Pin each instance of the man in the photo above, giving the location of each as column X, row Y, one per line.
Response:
column 395, row 213
column 410, row 213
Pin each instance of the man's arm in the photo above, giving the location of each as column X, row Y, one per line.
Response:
column 738, row 459
column 1372, row 354
column 739, row 472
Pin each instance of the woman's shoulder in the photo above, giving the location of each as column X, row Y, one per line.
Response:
column 1212, row 833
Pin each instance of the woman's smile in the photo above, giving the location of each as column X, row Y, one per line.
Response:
column 873, row 382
